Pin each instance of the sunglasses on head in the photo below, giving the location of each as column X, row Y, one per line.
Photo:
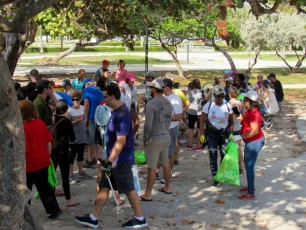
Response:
column 75, row 99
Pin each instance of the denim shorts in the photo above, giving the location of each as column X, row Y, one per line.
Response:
column 121, row 178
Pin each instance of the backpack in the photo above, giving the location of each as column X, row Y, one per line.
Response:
column 53, row 130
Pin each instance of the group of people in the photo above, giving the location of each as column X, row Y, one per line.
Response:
column 104, row 118
column 78, row 123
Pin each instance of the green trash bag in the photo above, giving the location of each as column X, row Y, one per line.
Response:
column 52, row 178
column 140, row 157
column 228, row 171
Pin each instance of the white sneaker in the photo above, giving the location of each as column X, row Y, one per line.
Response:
column 182, row 141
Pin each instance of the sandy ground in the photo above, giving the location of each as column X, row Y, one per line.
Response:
column 280, row 185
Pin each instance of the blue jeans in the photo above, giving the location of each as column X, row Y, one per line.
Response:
column 251, row 151
column 215, row 142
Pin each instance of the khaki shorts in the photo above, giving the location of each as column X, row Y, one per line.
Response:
column 157, row 152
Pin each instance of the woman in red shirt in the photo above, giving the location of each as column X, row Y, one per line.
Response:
column 38, row 148
column 254, row 139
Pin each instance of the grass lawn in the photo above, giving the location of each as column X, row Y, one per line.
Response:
column 266, row 57
column 93, row 60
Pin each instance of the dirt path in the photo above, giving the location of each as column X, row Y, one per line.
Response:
column 280, row 190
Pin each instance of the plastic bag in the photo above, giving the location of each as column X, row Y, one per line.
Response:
column 140, row 157
column 228, row 171
column 52, row 178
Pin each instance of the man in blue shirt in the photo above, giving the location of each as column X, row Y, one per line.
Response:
column 92, row 97
column 120, row 158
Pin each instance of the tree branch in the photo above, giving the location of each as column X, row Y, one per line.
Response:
column 27, row 10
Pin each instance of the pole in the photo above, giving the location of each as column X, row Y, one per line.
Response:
column 41, row 40
column 147, row 50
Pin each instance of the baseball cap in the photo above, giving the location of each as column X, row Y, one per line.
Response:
column 105, row 62
column 131, row 77
column 251, row 94
column 265, row 82
column 157, row 83
column 227, row 71
column 66, row 82
column 149, row 74
column 168, row 82
column 219, row 90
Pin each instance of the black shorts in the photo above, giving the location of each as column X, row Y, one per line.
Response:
column 121, row 178
column 192, row 119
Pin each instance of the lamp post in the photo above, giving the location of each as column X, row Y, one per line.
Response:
column 147, row 50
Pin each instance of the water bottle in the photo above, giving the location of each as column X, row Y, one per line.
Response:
column 136, row 180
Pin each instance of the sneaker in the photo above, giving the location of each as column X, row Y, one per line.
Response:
column 73, row 180
column 199, row 148
column 135, row 224
column 157, row 177
column 189, row 147
column 55, row 214
column 245, row 189
column 87, row 221
column 182, row 141
column 270, row 125
column 84, row 175
column 215, row 184
column 87, row 164
column 247, row 197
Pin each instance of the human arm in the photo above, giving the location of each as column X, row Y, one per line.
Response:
column 49, row 147
column 86, row 111
column 117, row 148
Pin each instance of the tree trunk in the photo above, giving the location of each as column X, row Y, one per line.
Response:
column 251, row 65
column 284, row 60
column 176, row 61
column 72, row 48
column 13, row 191
column 225, row 53
column 300, row 59
column 10, row 53
column 16, row 44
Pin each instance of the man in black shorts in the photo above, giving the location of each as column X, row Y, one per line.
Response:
column 120, row 159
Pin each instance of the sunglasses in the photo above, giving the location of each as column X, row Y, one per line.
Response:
column 75, row 99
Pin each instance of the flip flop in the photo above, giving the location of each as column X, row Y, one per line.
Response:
column 145, row 199
column 59, row 193
column 75, row 203
column 164, row 191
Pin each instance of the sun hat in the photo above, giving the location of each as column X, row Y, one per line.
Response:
column 251, row 94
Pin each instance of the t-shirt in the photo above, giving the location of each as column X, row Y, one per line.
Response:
column 251, row 116
column 121, row 76
column 158, row 118
column 176, row 103
column 43, row 109
column 120, row 124
column 77, row 85
column 78, row 127
column 128, row 95
column 36, row 138
column 218, row 115
column 195, row 100
column 94, row 96
column 181, row 94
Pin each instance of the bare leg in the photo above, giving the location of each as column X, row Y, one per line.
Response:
column 135, row 202
column 150, row 183
column 167, row 172
column 190, row 136
column 101, row 200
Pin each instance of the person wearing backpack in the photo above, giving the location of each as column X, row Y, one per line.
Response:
column 218, row 119
column 60, row 152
